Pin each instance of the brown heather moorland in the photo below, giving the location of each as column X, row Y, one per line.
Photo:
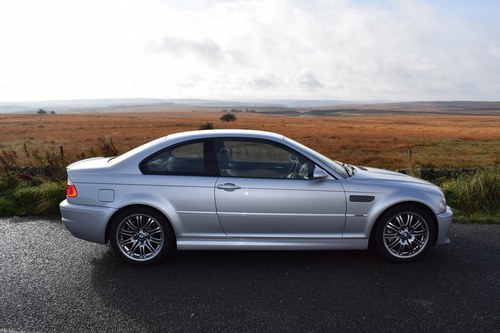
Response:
column 381, row 141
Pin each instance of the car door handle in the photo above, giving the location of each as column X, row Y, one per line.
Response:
column 228, row 187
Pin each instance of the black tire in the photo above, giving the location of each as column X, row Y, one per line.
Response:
column 404, row 233
column 141, row 236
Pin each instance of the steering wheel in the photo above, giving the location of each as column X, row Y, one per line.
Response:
column 297, row 170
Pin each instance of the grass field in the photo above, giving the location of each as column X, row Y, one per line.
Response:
column 380, row 141
column 33, row 177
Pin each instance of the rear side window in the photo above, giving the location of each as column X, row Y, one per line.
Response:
column 186, row 159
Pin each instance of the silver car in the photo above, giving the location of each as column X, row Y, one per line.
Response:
column 247, row 190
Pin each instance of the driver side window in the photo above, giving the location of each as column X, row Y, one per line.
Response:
column 260, row 159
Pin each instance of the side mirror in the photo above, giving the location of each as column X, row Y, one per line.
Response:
column 319, row 174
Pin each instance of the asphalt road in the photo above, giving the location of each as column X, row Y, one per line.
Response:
column 53, row 282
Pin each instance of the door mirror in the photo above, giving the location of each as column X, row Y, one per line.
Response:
column 319, row 173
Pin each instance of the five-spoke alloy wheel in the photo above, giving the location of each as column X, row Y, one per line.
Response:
column 404, row 233
column 141, row 236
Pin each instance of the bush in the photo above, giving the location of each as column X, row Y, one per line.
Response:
column 48, row 197
column 35, row 196
column 474, row 194
column 17, row 196
column 206, row 126
column 24, row 199
column 33, row 181
column 108, row 147
column 227, row 117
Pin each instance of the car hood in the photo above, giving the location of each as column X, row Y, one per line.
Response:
column 373, row 174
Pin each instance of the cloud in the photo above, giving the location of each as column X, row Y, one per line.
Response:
column 385, row 49
column 336, row 49
column 310, row 82
column 263, row 83
column 204, row 48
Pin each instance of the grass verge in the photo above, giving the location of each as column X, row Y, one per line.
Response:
column 38, row 188
column 35, row 196
column 475, row 198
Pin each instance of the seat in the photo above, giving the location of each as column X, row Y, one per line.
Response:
column 225, row 166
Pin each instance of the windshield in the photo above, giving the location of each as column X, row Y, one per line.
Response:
column 335, row 165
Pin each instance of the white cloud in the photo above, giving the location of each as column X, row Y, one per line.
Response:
column 249, row 49
column 180, row 47
column 310, row 82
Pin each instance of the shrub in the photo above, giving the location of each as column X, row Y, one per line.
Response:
column 7, row 207
column 24, row 199
column 108, row 147
column 48, row 197
column 227, row 117
column 36, row 196
column 206, row 126
column 479, row 193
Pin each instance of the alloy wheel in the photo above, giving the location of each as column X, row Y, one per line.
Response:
column 405, row 235
column 140, row 237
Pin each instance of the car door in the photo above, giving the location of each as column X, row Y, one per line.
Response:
column 268, row 190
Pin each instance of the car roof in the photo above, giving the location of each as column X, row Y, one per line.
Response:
column 172, row 139
column 215, row 133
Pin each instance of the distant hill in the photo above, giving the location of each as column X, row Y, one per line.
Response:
column 78, row 105
column 416, row 108
column 279, row 107
column 103, row 105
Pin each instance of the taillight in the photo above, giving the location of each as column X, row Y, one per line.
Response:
column 71, row 191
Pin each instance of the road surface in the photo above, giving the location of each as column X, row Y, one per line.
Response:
column 53, row 282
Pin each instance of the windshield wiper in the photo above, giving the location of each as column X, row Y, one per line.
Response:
column 348, row 169
column 353, row 169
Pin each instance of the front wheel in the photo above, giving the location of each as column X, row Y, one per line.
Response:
column 141, row 236
column 404, row 233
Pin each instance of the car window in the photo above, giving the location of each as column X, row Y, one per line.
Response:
column 260, row 159
column 187, row 159
column 332, row 164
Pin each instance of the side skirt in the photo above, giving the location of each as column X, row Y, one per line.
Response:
column 271, row 244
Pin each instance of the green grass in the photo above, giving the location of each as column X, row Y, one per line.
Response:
column 35, row 187
column 475, row 198
column 35, row 196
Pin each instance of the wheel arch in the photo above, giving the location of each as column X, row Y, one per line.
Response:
column 405, row 203
column 137, row 206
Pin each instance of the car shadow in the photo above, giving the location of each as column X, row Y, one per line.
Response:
column 240, row 290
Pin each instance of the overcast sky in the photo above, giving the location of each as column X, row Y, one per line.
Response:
column 331, row 49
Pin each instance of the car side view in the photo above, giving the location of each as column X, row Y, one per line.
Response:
column 247, row 190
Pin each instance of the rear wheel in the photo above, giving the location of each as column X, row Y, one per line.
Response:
column 141, row 236
column 404, row 233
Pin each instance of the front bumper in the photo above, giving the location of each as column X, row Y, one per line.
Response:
column 86, row 222
column 444, row 223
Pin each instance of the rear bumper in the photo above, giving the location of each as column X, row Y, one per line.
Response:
column 86, row 222
column 444, row 223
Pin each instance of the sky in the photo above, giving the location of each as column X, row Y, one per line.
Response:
column 228, row 49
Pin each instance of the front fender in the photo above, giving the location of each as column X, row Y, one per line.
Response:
column 362, row 216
